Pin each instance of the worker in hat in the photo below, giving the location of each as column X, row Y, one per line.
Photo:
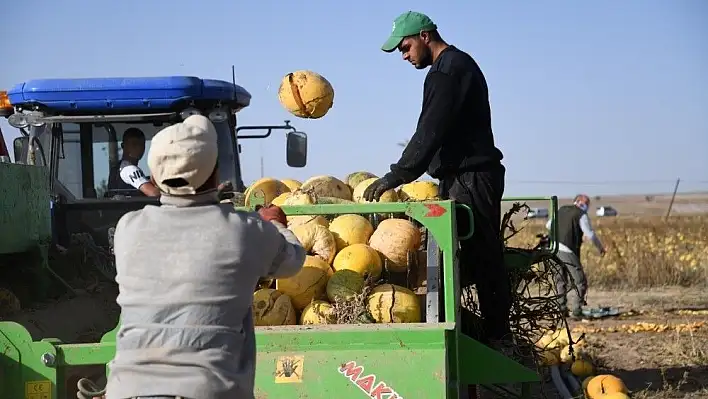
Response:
column 454, row 143
column 186, row 271
column 570, row 280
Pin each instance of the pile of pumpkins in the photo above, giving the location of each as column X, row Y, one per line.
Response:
column 327, row 189
column 344, row 255
column 555, row 346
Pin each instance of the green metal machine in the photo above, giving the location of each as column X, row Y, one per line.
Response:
column 432, row 359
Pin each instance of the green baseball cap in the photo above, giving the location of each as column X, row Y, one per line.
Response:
column 407, row 24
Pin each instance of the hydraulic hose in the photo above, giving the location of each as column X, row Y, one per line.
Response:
column 559, row 383
column 88, row 389
column 572, row 381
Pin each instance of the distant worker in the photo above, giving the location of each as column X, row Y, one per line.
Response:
column 455, row 144
column 129, row 175
column 573, row 225
column 186, row 272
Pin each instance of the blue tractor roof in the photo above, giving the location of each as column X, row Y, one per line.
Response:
column 125, row 93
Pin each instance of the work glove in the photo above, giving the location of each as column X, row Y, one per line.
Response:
column 272, row 213
column 377, row 188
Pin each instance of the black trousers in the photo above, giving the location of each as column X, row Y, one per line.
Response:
column 482, row 256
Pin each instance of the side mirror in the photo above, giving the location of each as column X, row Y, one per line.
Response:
column 20, row 146
column 296, row 153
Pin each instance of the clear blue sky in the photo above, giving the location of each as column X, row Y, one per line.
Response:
column 581, row 92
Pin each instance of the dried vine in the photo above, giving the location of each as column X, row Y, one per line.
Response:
column 535, row 308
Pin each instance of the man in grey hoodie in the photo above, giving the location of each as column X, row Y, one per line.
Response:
column 186, row 272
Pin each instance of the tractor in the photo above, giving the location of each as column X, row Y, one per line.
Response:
column 60, row 189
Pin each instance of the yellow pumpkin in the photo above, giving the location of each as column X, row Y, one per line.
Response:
column 306, row 94
column 615, row 395
column 360, row 258
column 266, row 189
column 418, row 191
column 390, row 303
column 549, row 357
column 582, row 368
column 292, row 184
column 578, row 350
column 280, row 200
column 387, row 196
column 604, row 384
column 317, row 312
column 308, row 284
column 351, row 229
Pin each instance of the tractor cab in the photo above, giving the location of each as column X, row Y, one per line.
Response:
column 75, row 128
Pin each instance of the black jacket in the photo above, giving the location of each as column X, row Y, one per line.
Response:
column 454, row 133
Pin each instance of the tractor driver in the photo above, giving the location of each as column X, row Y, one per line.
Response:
column 131, row 176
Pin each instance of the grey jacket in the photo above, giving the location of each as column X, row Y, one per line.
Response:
column 186, row 273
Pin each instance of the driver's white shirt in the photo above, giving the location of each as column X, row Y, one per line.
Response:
column 132, row 174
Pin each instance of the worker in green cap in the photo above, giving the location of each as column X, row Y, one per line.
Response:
column 454, row 143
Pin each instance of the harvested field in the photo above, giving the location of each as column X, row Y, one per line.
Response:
column 659, row 347
column 643, row 252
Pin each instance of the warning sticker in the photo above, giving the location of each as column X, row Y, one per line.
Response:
column 289, row 369
column 38, row 390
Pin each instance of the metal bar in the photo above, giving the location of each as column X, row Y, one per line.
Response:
column 106, row 118
column 554, row 225
column 333, row 209
column 432, row 296
column 69, row 355
column 519, row 199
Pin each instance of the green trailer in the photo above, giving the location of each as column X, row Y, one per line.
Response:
column 431, row 359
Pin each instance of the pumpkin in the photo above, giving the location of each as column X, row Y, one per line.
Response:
column 272, row 308
column 549, row 357
column 582, row 368
column 306, row 94
column 604, row 384
column 393, row 239
column 360, row 258
column 353, row 179
column 358, row 194
column 308, row 284
column 344, row 285
column 418, row 191
column 266, row 189
column 390, row 303
column 280, row 200
column 292, row 184
column 317, row 241
column 299, row 220
column 326, row 186
column 317, row 312
column 351, row 229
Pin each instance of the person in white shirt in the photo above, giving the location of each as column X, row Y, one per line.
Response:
column 130, row 174
column 573, row 226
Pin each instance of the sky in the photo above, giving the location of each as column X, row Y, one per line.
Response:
column 603, row 97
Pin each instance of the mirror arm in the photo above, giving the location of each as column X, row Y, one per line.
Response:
column 286, row 126
column 253, row 136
